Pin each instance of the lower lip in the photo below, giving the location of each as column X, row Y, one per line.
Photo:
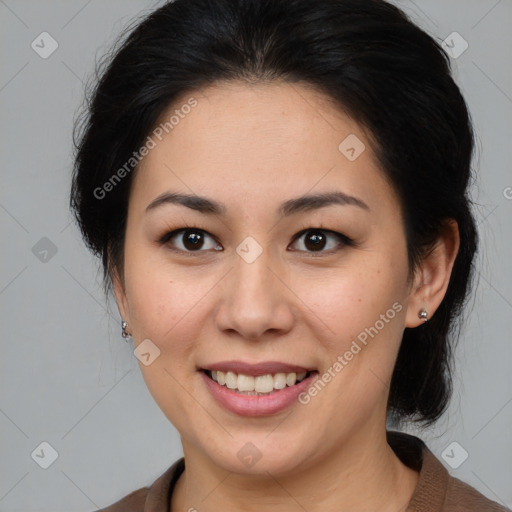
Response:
column 256, row 405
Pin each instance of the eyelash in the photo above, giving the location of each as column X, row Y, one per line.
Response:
column 344, row 240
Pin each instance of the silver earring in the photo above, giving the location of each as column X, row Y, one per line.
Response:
column 423, row 314
column 124, row 332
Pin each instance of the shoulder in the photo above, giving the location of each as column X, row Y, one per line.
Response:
column 461, row 497
column 437, row 490
column 133, row 502
column 154, row 497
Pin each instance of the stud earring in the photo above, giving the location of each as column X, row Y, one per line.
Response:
column 124, row 332
column 423, row 314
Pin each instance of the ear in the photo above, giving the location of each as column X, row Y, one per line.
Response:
column 433, row 276
column 120, row 294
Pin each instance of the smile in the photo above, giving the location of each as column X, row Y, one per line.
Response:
column 263, row 394
column 259, row 385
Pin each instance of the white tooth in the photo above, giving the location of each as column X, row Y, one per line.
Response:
column 279, row 380
column 231, row 380
column 245, row 382
column 291, row 378
column 264, row 383
column 260, row 384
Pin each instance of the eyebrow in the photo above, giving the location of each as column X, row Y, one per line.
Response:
column 292, row 206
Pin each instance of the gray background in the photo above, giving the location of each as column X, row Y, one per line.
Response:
column 68, row 378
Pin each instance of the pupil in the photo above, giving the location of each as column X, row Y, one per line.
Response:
column 318, row 239
column 193, row 239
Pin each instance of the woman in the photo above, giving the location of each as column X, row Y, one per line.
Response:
column 278, row 193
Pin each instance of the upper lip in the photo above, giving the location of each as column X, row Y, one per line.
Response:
column 262, row 368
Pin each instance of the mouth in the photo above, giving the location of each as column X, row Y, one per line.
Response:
column 255, row 390
column 261, row 384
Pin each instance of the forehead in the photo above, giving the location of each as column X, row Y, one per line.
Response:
column 257, row 143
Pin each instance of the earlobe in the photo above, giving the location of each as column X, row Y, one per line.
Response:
column 423, row 314
column 433, row 276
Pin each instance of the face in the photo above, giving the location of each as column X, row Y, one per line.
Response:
column 265, row 284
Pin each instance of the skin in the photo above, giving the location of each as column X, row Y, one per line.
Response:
column 252, row 147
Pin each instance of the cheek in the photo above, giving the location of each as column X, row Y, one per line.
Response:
column 352, row 299
column 162, row 304
column 169, row 305
column 364, row 307
column 166, row 307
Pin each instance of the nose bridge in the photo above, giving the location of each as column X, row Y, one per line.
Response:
column 252, row 278
column 255, row 298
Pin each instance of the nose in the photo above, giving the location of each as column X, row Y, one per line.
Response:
column 255, row 299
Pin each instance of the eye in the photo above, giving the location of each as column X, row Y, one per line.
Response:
column 191, row 239
column 316, row 240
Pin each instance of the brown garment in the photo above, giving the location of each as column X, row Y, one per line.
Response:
column 436, row 490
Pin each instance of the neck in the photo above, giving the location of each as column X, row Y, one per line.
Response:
column 363, row 473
